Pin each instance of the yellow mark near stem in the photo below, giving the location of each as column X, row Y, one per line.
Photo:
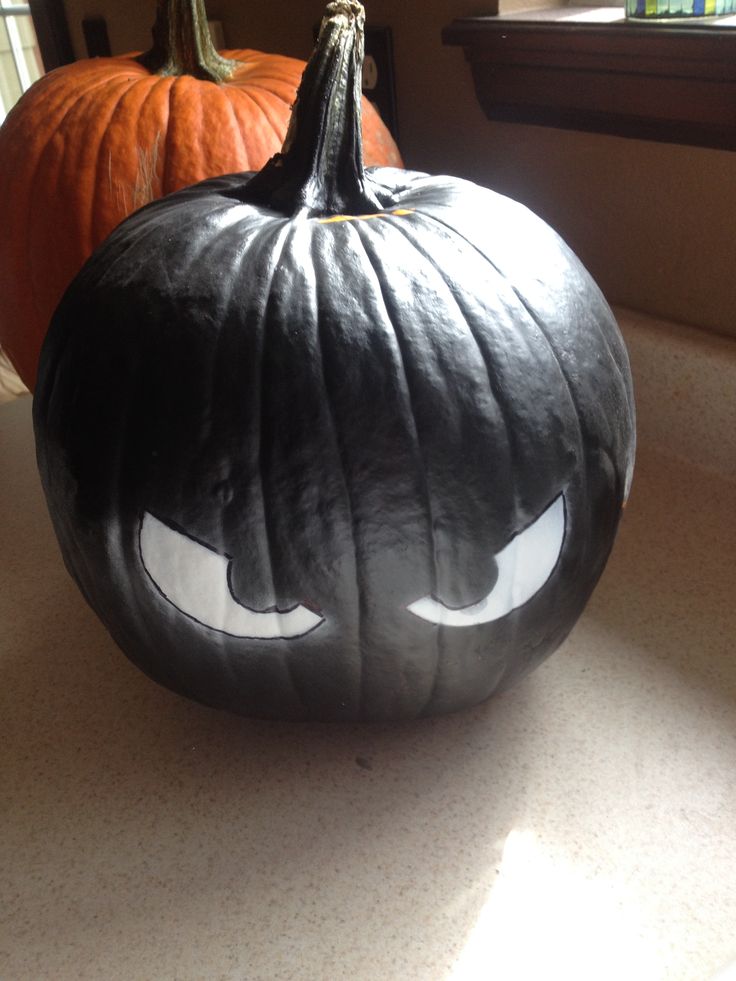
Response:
column 378, row 214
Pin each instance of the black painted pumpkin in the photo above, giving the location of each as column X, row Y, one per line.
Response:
column 320, row 443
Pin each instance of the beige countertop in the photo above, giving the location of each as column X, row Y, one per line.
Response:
column 581, row 826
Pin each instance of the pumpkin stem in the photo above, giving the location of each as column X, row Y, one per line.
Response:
column 320, row 167
column 182, row 43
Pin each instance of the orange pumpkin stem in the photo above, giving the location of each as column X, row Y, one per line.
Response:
column 182, row 43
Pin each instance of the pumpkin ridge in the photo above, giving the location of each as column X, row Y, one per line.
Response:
column 183, row 97
column 96, row 211
column 166, row 178
column 157, row 102
column 563, row 374
column 349, row 497
column 605, row 341
column 67, row 103
column 58, row 95
column 246, row 93
column 582, row 470
column 277, row 241
column 527, row 307
column 493, row 383
column 68, row 100
column 618, row 367
column 493, row 388
column 230, row 107
column 154, row 107
column 202, row 114
column 260, row 87
column 365, row 237
column 83, row 158
column 146, row 228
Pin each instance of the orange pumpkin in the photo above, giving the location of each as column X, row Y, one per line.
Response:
column 92, row 141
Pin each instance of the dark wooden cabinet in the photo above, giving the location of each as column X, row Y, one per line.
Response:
column 667, row 81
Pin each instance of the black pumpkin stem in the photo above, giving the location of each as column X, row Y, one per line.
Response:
column 320, row 167
column 182, row 43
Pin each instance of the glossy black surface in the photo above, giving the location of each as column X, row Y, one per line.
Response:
column 360, row 413
column 339, row 414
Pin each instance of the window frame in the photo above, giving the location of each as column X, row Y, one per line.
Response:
column 52, row 33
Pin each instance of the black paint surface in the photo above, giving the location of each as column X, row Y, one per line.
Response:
column 359, row 412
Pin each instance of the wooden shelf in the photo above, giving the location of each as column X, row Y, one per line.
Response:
column 593, row 70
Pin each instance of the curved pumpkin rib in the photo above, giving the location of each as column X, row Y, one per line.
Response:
column 285, row 233
column 544, row 331
column 520, row 335
column 103, row 213
column 81, row 160
column 150, row 128
column 501, row 427
column 468, row 320
column 146, row 231
column 272, row 248
column 621, row 369
column 249, row 93
column 495, row 385
column 241, row 154
column 195, row 149
column 155, row 114
column 134, row 176
column 213, row 134
column 532, row 319
column 371, row 255
column 607, row 341
column 357, row 551
column 281, row 88
column 251, row 60
column 525, row 304
column 279, row 68
column 54, row 251
column 92, row 162
column 37, row 145
column 255, row 86
column 369, row 251
column 244, row 103
column 576, row 413
column 168, row 163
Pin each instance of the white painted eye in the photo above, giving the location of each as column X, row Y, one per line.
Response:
column 194, row 579
column 524, row 566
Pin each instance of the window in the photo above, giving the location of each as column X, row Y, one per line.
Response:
column 20, row 58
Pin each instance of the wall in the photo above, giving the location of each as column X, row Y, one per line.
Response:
column 654, row 223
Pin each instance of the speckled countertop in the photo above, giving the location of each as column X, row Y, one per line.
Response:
column 581, row 826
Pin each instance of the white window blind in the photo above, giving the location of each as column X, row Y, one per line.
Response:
column 20, row 59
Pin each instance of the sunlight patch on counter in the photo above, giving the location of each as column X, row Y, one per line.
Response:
column 548, row 917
